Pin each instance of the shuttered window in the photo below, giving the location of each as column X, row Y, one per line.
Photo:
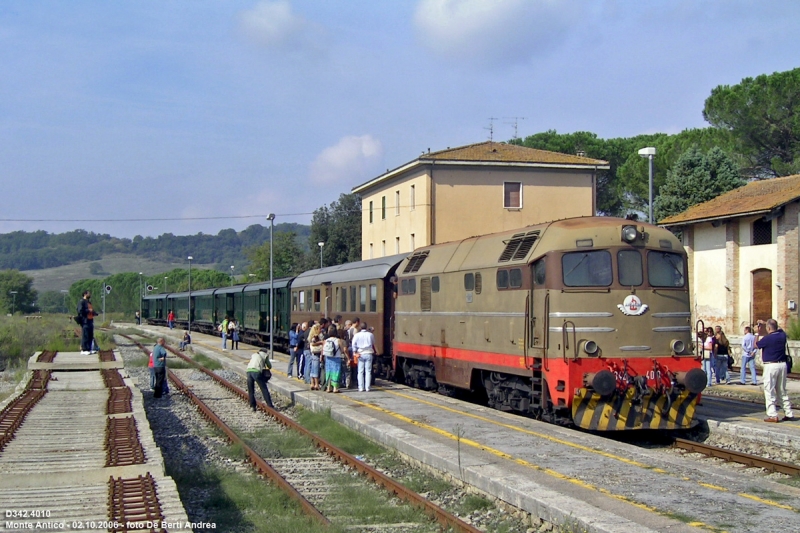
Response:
column 512, row 195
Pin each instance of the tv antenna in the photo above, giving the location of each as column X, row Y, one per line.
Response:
column 491, row 128
column 515, row 122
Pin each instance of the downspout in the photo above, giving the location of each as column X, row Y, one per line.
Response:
column 432, row 206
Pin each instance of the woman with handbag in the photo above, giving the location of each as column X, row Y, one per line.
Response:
column 258, row 371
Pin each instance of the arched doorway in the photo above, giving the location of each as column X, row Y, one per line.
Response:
column 762, row 294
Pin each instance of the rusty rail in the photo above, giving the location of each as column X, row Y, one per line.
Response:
column 106, row 356
column 443, row 517
column 46, row 356
column 13, row 415
column 133, row 505
column 122, row 442
column 738, row 457
column 120, row 400
column 112, row 378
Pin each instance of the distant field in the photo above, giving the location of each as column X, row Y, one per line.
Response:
column 55, row 279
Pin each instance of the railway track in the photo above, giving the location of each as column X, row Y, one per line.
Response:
column 753, row 461
column 323, row 477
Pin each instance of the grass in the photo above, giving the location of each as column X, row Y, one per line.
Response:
column 208, row 362
column 793, row 329
column 350, row 441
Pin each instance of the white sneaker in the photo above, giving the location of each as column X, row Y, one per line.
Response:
column 85, row 353
column 93, row 351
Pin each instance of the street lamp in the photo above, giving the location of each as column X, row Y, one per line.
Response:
column 13, row 301
column 320, row 244
column 165, row 283
column 650, row 153
column 140, row 297
column 231, row 275
column 190, row 294
column 271, row 218
column 64, row 292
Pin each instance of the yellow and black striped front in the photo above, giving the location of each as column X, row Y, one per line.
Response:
column 620, row 412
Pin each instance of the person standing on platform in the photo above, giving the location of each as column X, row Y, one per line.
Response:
column 771, row 340
column 233, row 333
column 721, row 361
column 364, row 347
column 223, row 328
column 138, row 318
column 304, row 353
column 171, row 319
column 86, row 314
column 748, row 357
column 159, row 367
column 259, row 362
column 293, row 356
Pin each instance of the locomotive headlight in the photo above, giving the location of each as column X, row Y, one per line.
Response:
column 629, row 233
column 590, row 347
column 677, row 345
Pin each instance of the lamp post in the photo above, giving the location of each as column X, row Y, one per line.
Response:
column 140, row 297
column 165, row 283
column 320, row 244
column 231, row 275
column 190, row 294
column 271, row 218
column 13, row 300
column 650, row 153
column 64, row 292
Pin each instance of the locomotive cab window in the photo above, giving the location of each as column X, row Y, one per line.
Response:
column 629, row 264
column 539, row 272
column 515, row 278
column 665, row 269
column 408, row 286
column 587, row 269
column 469, row 281
column 502, row 279
column 435, row 284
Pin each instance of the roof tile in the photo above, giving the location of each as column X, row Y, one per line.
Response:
column 510, row 153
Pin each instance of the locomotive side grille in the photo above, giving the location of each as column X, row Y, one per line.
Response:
column 519, row 246
column 416, row 261
column 425, row 294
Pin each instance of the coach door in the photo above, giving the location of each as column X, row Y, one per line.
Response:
column 538, row 310
column 327, row 300
column 762, row 295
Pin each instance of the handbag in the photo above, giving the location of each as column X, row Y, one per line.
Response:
column 78, row 320
column 266, row 374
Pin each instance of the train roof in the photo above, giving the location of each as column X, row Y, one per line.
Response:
column 520, row 246
column 278, row 283
column 159, row 296
column 358, row 271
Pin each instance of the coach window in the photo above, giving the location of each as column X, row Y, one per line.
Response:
column 302, row 300
column 435, row 284
column 352, row 299
column 515, row 278
column 629, row 264
column 512, row 195
column 294, row 300
column 344, row 299
column 502, row 279
column 469, row 281
column 317, row 297
column 362, row 306
column 373, row 298
column 587, row 269
column 539, row 272
column 665, row 269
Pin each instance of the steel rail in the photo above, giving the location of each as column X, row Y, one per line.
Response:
column 737, row 457
column 443, row 517
column 789, row 375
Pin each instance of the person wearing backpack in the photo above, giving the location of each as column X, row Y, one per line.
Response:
column 333, row 350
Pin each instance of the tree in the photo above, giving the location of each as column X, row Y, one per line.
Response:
column 696, row 178
column 763, row 115
column 287, row 257
column 339, row 227
column 16, row 290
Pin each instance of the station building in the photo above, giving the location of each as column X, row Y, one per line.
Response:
column 472, row 190
column 743, row 254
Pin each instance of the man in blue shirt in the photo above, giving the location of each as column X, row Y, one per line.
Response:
column 773, row 355
column 748, row 357
column 159, row 366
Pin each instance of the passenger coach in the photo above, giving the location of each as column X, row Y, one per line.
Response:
column 582, row 320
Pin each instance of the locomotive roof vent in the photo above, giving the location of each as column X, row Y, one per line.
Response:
column 416, row 261
column 518, row 246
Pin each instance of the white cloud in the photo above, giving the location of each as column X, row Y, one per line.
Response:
column 491, row 32
column 350, row 160
column 274, row 25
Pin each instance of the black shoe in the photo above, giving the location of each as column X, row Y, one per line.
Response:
column 787, row 419
column 254, row 409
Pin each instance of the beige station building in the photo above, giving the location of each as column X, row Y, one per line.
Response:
column 743, row 254
column 472, row 190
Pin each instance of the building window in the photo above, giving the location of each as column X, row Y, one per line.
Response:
column 762, row 232
column 412, row 242
column 370, row 250
column 383, row 208
column 412, row 201
column 383, row 248
column 397, row 245
column 370, row 211
column 397, row 203
column 512, row 195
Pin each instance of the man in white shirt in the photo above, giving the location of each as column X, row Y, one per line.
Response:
column 364, row 346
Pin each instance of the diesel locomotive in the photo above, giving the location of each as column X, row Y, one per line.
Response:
column 582, row 321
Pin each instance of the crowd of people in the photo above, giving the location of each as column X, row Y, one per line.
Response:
column 772, row 341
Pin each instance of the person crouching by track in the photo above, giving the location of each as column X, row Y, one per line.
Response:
column 772, row 341
column 259, row 371
column 159, row 367
column 315, row 340
column 187, row 340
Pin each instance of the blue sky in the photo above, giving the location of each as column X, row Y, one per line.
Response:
column 199, row 111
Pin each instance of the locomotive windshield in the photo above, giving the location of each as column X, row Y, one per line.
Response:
column 629, row 263
column 587, row 269
column 665, row 269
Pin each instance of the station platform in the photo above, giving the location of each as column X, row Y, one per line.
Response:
column 83, row 455
column 568, row 477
